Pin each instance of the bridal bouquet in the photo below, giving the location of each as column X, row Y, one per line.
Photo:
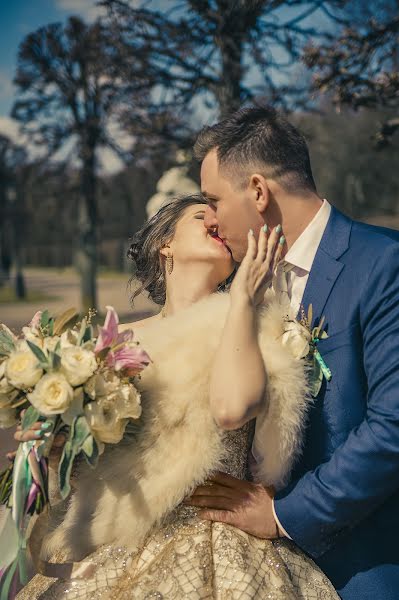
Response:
column 71, row 381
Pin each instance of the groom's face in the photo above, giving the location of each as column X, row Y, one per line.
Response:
column 231, row 209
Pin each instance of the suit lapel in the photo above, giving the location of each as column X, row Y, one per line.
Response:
column 326, row 267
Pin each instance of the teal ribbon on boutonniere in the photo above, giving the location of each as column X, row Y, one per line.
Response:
column 319, row 367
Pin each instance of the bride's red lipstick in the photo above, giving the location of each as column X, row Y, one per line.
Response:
column 220, row 241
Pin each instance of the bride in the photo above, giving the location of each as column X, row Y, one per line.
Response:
column 218, row 363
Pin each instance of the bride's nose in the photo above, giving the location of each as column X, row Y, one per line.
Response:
column 210, row 221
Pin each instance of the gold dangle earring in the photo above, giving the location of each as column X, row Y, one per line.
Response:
column 169, row 263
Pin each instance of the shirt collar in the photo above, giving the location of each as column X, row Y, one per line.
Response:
column 303, row 251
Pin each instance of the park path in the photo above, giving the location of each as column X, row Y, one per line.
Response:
column 64, row 284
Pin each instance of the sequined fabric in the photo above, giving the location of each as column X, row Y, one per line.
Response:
column 188, row 558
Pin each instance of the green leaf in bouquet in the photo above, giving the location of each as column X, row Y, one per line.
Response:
column 50, row 327
column 80, row 430
column 54, row 359
column 7, row 344
column 31, row 416
column 44, row 319
column 91, row 451
column 61, row 321
column 88, row 334
column 65, row 468
column 38, row 352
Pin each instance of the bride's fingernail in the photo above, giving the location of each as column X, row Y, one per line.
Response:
column 282, row 240
column 278, row 229
column 264, row 228
column 251, row 232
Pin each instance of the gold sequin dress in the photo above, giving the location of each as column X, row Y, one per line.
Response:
column 188, row 558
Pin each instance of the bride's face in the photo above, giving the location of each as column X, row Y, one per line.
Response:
column 193, row 244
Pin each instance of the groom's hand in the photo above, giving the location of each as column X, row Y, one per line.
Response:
column 245, row 505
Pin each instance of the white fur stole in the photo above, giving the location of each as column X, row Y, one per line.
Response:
column 177, row 443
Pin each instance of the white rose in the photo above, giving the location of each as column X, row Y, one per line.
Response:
column 22, row 369
column 8, row 417
column 77, row 364
column 52, row 395
column 297, row 339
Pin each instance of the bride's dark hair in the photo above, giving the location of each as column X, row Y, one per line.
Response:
column 147, row 242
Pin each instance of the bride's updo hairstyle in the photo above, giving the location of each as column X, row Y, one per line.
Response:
column 147, row 243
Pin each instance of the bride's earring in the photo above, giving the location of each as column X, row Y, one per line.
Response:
column 169, row 263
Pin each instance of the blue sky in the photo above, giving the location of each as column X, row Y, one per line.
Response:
column 20, row 17
column 17, row 19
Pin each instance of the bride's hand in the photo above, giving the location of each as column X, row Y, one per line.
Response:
column 36, row 432
column 256, row 270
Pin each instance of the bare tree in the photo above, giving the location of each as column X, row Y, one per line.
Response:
column 360, row 66
column 224, row 52
column 68, row 97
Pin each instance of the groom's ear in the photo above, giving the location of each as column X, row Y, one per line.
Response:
column 260, row 191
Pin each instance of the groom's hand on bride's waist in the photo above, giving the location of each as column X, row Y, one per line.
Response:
column 243, row 504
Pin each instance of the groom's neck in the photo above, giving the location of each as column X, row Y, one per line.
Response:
column 297, row 212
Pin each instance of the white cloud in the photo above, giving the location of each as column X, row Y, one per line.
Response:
column 85, row 8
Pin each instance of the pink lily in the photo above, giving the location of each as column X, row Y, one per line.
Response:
column 131, row 359
column 108, row 336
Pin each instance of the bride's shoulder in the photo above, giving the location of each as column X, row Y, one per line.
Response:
column 137, row 324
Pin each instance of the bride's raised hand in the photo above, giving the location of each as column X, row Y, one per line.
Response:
column 256, row 270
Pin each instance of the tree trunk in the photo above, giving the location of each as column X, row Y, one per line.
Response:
column 229, row 92
column 86, row 259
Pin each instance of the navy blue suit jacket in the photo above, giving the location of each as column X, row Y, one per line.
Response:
column 342, row 503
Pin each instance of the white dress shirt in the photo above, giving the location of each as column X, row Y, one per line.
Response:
column 301, row 255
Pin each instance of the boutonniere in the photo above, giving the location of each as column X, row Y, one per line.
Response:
column 303, row 340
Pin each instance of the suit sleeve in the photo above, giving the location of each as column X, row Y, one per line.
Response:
column 364, row 471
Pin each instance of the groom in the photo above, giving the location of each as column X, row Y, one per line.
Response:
column 341, row 505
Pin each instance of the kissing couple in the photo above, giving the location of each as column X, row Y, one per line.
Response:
column 242, row 480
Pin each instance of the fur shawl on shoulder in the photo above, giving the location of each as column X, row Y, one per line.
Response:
column 176, row 444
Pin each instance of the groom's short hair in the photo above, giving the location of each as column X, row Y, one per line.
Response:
column 261, row 139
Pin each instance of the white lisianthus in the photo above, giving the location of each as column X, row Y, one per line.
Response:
column 109, row 415
column 77, row 364
column 69, row 338
column 297, row 338
column 50, row 342
column 22, row 369
column 8, row 417
column 33, row 335
column 95, row 386
column 75, row 409
column 52, row 395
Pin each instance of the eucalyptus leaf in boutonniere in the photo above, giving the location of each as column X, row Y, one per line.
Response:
column 302, row 340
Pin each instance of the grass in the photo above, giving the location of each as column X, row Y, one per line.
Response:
column 7, row 296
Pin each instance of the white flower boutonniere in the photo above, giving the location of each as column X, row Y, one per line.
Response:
column 302, row 341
